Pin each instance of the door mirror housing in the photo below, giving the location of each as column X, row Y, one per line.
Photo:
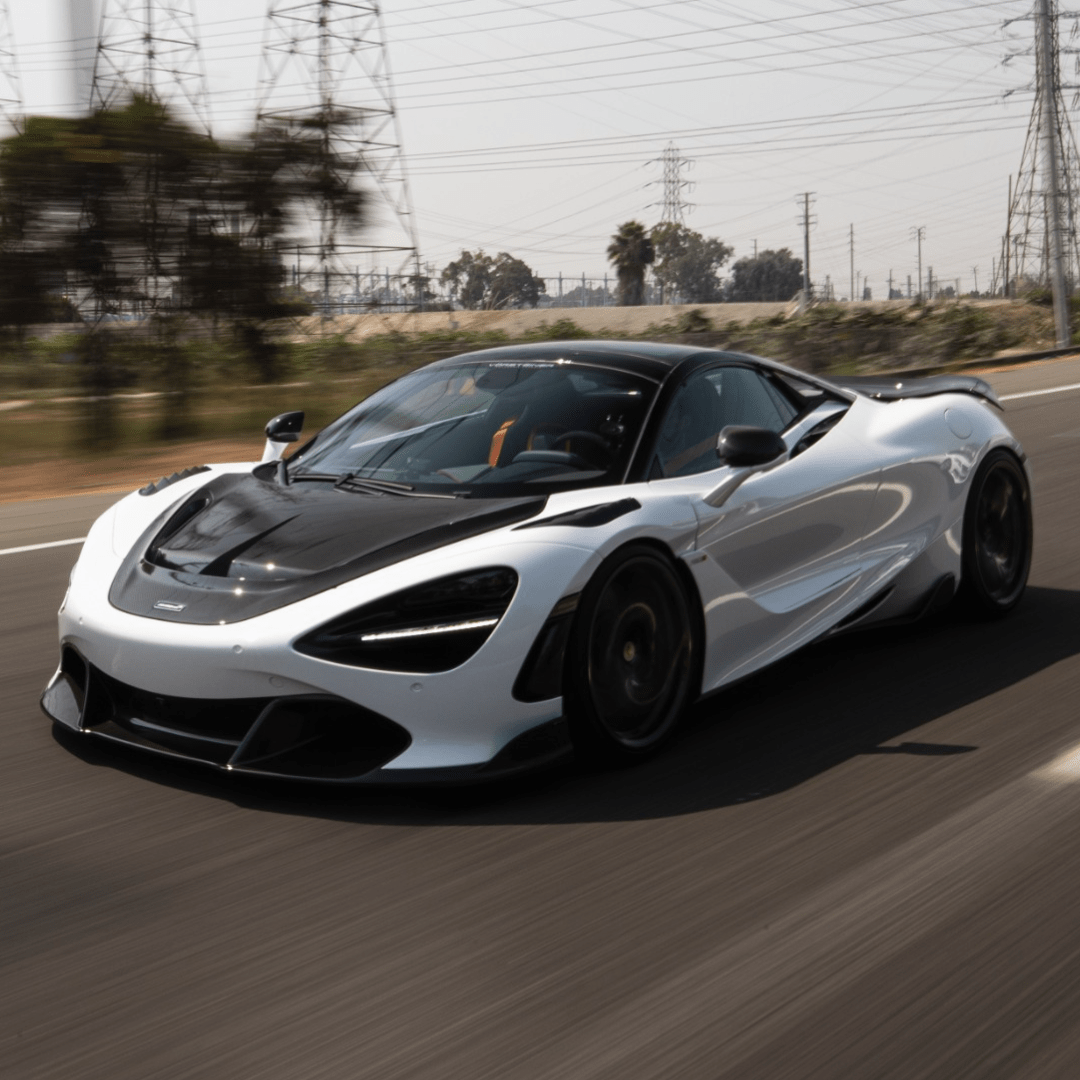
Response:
column 748, row 446
column 281, row 431
column 285, row 428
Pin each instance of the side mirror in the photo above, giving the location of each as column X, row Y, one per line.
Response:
column 751, row 448
column 281, row 431
column 748, row 446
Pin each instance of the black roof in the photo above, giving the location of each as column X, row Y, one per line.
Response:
column 648, row 358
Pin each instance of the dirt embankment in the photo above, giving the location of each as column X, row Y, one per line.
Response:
column 87, row 476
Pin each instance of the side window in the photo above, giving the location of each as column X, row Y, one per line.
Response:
column 703, row 406
column 748, row 398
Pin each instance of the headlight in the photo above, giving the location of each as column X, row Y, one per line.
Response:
column 431, row 627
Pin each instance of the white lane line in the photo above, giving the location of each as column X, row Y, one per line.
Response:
column 41, row 547
column 1036, row 393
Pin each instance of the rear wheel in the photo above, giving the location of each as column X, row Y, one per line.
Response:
column 631, row 659
column 997, row 536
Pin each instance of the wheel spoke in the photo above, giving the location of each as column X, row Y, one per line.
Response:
column 638, row 652
column 1000, row 534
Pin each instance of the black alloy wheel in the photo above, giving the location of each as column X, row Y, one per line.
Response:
column 632, row 658
column 997, row 536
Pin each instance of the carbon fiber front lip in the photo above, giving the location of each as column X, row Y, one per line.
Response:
column 499, row 767
column 93, row 711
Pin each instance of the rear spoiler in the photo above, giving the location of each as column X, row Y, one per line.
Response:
column 885, row 388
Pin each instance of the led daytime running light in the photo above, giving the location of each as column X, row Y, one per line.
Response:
column 425, row 631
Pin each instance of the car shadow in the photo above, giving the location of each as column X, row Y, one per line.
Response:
column 841, row 698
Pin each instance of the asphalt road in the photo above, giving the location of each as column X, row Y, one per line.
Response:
column 862, row 864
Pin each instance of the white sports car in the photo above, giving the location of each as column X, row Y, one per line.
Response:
column 515, row 552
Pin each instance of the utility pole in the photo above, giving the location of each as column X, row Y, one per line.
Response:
column 889, row 296
column 1008, row 240
column 975, row 273
column 806, row 221
column 919, row 233
column 851, row 252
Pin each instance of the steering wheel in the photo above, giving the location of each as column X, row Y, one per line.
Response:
column 590, row 437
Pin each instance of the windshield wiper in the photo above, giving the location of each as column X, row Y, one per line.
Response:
column 352, row 482
column 326, row 477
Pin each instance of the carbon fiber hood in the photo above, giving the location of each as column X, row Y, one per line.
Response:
column 241, row 546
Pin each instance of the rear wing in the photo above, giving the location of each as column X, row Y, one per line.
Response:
column 885, row 388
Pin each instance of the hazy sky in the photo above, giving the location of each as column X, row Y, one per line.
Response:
column 529, row 126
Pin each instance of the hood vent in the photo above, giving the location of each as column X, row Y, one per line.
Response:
column 242, row 546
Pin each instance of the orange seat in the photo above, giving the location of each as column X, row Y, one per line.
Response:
column 498, row 439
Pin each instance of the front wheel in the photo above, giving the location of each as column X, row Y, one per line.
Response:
column 997, row 536
column 632, row 658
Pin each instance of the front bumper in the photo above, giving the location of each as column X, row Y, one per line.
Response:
column 310, row 737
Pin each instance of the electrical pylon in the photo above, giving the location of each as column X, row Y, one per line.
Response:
column 337, row 53
column 1043, row 213
column 149, row 48
column 11, row 102
column 673, row 208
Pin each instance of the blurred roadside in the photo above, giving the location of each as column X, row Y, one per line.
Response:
column 62, row 440
column 120, row 472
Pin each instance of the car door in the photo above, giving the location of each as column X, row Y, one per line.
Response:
column 778, row 555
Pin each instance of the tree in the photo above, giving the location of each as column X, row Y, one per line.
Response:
column 480, row 281
column 771, row 275
column 513, row 284
column 273, row 181
column 688, row 264
column 131, row 206
column 631, row 252
column 100, row 205
column 469, row 278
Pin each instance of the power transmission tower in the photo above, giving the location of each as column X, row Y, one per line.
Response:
column 806, row 221
column 1043, row 211
column 336, row 53
column 11, row 102
column 672, row 208
column 149, row 48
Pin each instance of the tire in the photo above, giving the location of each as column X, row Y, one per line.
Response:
column 632, row 658
column 997, row 536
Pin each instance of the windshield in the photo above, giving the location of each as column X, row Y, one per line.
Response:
column 495, row 428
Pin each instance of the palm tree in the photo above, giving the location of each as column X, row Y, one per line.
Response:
column 630, row 251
